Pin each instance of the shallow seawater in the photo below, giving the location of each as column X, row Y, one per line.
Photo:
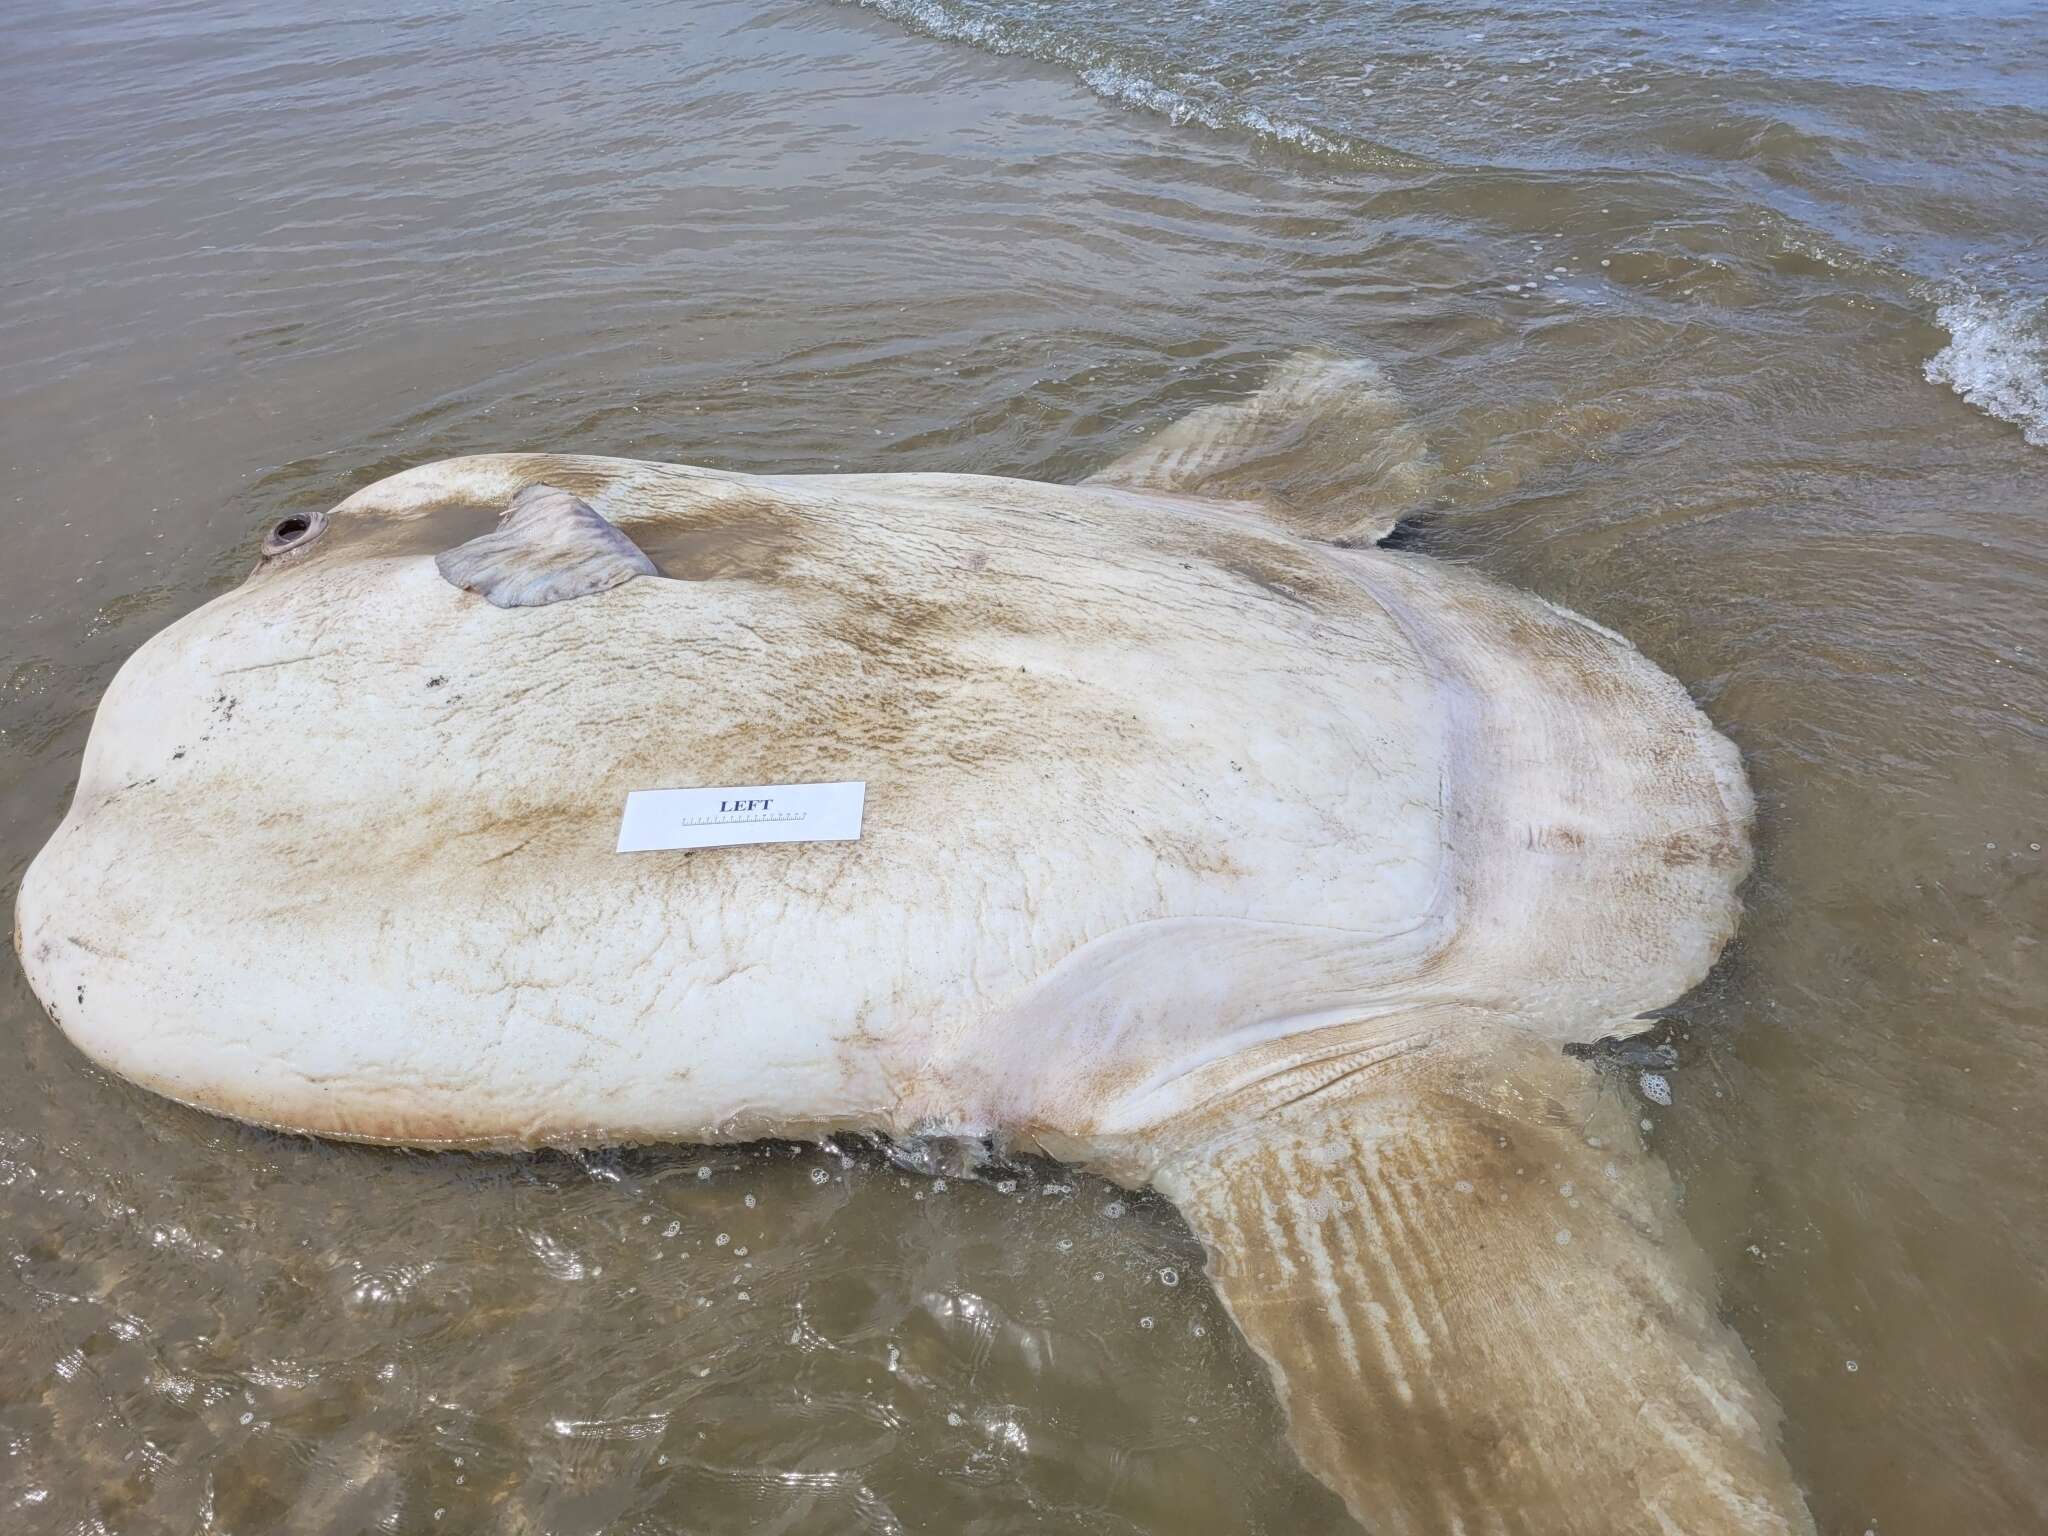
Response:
column 1728, row 332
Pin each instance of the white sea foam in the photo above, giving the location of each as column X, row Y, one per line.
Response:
column 1997, row 358
column 1119, row 80
column 1114, row 82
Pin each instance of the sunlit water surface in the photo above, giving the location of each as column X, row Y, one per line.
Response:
column 1728, row 332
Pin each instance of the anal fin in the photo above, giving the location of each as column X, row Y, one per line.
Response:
column 1483, row 1314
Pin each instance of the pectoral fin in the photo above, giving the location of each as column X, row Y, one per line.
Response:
column 1326, row 446
column 1483, row 1314
column 548, row 547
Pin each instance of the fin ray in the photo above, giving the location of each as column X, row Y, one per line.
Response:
column 1481, row 1310
column 1326, row 445
column 549, row 547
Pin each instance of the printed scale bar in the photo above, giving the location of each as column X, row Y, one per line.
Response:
column 729, row 816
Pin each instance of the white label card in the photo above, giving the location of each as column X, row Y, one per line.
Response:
column 746, row 813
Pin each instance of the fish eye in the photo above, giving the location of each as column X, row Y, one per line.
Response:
column 294, row 532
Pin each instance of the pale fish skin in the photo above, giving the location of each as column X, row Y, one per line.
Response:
column 1206, row 845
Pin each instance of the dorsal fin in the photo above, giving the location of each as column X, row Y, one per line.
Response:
column 1326, row 445
column 548, row 547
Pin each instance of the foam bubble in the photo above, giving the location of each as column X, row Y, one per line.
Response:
column 1997, row 359
column 1125, row 82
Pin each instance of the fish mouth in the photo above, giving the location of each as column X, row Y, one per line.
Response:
column 128, row 1017
column 62, row 968
column 105, row 962
column 31, row 941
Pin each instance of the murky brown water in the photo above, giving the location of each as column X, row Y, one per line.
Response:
column 253, row 261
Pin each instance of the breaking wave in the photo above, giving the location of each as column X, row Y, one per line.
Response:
column 1997, row 358
column 1121, row 80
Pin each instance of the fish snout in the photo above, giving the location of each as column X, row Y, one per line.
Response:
column 37, row 944
column 92, row 957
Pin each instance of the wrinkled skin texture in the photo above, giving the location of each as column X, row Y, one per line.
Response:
column 1197, row 850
